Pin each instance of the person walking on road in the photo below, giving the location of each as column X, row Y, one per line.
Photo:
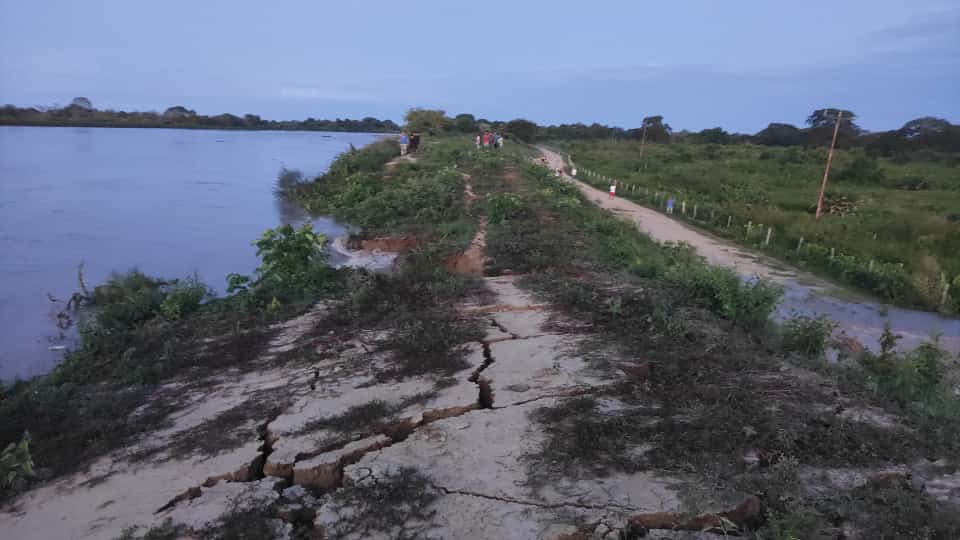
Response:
column 404, row 141
column 670, row 205
column 486, row 139
column 613, row 189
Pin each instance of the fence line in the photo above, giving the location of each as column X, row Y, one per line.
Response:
column 658, row 201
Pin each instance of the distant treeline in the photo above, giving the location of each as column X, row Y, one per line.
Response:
column 927, row 133
column 81, row 112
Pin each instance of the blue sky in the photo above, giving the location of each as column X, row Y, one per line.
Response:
column 700, row 63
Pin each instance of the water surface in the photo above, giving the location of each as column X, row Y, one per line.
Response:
column 170, row 202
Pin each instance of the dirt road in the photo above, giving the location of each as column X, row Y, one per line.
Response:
column 858, row 317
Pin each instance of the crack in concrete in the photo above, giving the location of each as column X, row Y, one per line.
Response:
column 254, row 471
column 548, row 506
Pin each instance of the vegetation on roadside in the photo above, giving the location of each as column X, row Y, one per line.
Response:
column 709, row 393
column 887, row 230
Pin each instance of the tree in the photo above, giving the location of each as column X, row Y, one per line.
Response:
column 178, row 111
column 523, row 130
column 713, row 136
column 82, row 103
column 432, row 121
column 926, row 126
column 465, row 123
column 780, row 135
column 821, row 122
column 657, row 130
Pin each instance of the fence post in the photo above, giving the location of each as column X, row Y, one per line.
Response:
column 799, row 245
column 769, row 232
column 870, row 266
column 683, row 207
column 831, row 253
column 749, row 228
column 729, row 221
column 694, row 212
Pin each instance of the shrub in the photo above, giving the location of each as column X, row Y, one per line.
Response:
column 184, row 297
column 806, row 335
column 503, row 207
column 748, row 304
column 862, row 170
column 287, row 181
column 16, row 466
column 293, row 268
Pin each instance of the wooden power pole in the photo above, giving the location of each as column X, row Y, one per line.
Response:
column 643, row 140
column 826, row 171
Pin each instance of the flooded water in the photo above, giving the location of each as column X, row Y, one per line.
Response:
column 169, row 202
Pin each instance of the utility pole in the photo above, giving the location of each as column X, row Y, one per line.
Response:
column 826, row 172
column 643, row 140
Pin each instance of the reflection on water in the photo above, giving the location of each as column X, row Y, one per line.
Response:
column 171, row 202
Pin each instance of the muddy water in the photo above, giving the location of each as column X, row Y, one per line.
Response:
column 856, row 316
column 171, row 202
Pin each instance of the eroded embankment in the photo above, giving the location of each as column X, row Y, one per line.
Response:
column 596, row 422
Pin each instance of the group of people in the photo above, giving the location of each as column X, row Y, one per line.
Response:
column 409, row 143
column 489, row 139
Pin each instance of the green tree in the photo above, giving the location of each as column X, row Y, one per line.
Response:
column 431, row 121
column 523, row 130
column 656, row 130
column 82, row 103
column 822, row 121
column 465, row 123
column 926, row 126
column 776, row 134
column 715, row 135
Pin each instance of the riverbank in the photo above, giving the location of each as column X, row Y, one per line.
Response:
column 580, row 380
column 173, row 203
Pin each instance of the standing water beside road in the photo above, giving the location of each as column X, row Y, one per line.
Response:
column 170, row 202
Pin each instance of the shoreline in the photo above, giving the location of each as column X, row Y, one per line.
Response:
column 192, row 128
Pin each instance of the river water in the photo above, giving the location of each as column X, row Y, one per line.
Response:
column 169, row 202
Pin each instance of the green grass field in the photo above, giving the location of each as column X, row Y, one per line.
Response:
column 894, row 230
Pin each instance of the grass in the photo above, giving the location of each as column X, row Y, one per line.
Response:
column 885, row 225
column 397, row 506
column 145, row 331
column 707, row 383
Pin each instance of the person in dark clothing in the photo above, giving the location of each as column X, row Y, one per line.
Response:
column 414, row 143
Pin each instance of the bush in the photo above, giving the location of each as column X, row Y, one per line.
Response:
column 16, row 466
column 293, row 268
column 808, row 336
column 748, row 304
column 184, row 297
column 503, row 207
column 862, row 170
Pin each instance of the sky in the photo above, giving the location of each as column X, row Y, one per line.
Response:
column 739, row 64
